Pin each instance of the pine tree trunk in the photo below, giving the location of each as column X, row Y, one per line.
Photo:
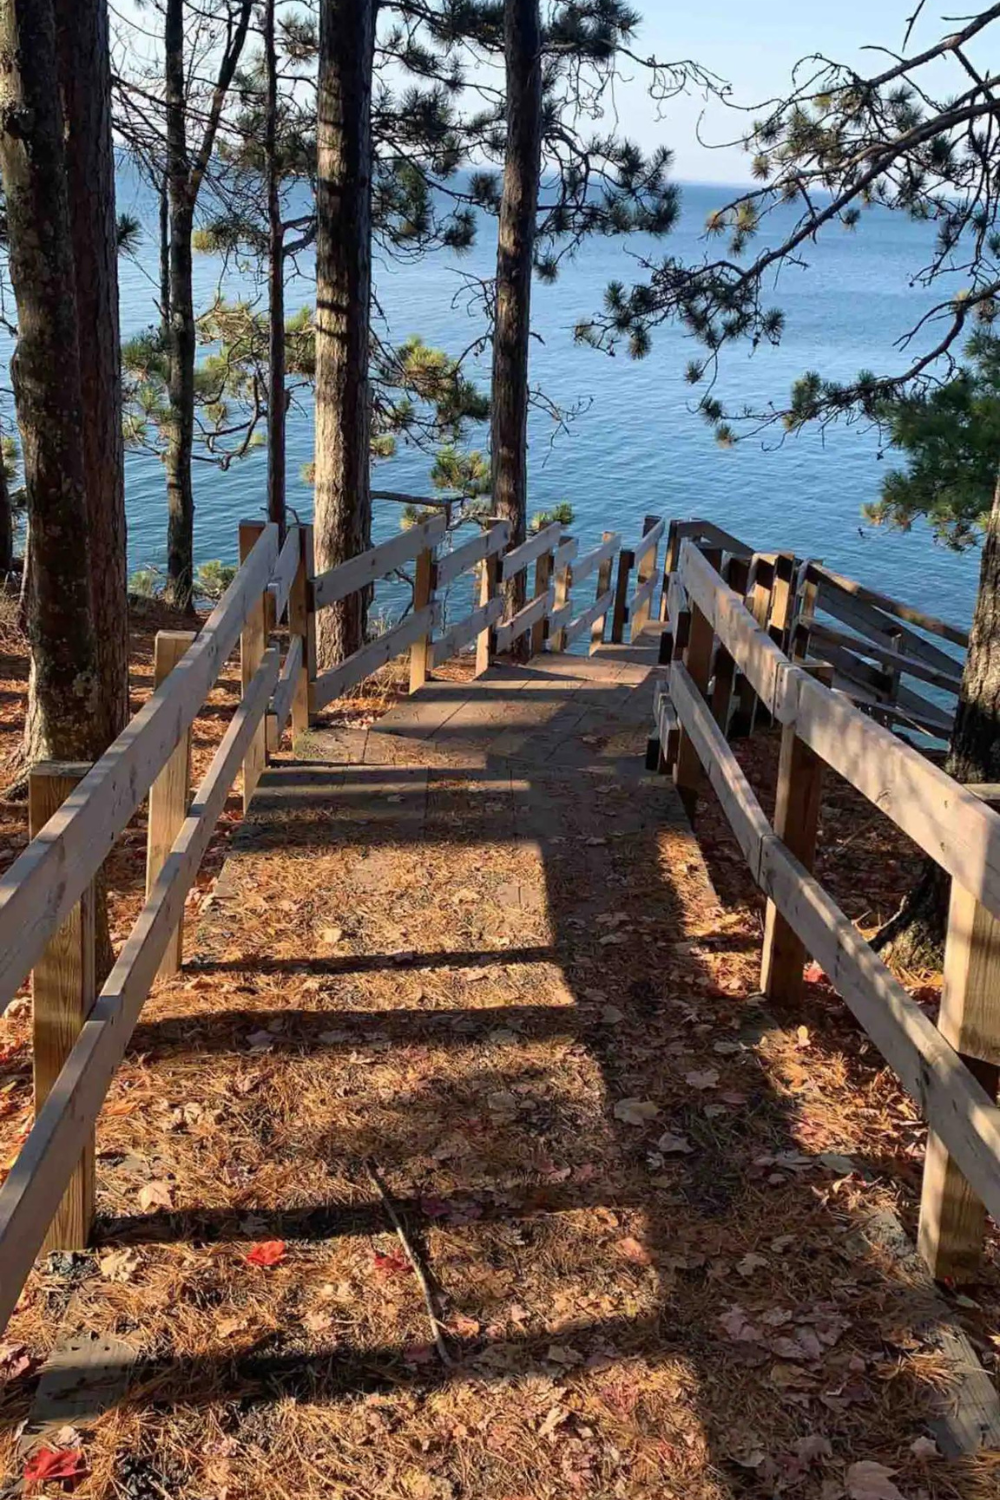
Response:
column 343, row 296
column 515, row 247
column 276, row 405
column 914, row 937
column 181, row 339
column 164, row 232
column 6, row 525
column 85, row 73
column 64, row 702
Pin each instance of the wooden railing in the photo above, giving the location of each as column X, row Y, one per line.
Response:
column 950, row 1069
column 882, row 651
column 47, row 902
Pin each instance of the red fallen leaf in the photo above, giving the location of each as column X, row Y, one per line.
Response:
column 814, row 974
column 435, row 1208
column 393, row 1264
column 268, row 1253
column 55, row 1463
column 420, row 1354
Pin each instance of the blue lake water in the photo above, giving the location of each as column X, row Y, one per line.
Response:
column 639, row 447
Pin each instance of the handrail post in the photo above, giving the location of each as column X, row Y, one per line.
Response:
column 543, row 580
column 252, row 646
column 796, row 821
column 952, row 1229
column 302, row 622
column 698, row 660
column 564, row 585
column 169, row 793
column 736, row 573
column 64, row 987
column 619, row 610
column 759, row 605
column 604, row 571
column 423, row 595
column 489, row 583
column 644, row 572
column 670, row 556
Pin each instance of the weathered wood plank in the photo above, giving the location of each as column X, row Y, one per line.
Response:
column 288, row 683
column 509, row 632
column 47, row 879
column 584, row 566
column 63, row 991
column 252, row 645
column 168, row 796
column 452, row 564
column 375, row 654
column 357, row 572
column 284, row 572
column 36, row 1182
column 451, row 641
column 545, row 540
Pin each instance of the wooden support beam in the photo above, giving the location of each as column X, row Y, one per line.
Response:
column 564, row 584
column 619, row 613
column 670, row 555
column 698, row 661
column 736, row 574
column 543, row 581
column 169, row 794
column 748, row 707
column 302, row 622
column 63, row 988
column 796, row 820
column 952, row 1217
column 252, row 646
column 489, row 579
column 604, row 571
column 644, row 574
column 423, row 595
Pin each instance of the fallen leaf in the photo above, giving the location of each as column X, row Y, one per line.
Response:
column 813, row 974
column 55, row 1463
column 317, row 1322
column 267, row 1253
column 393, row 1264
column 925, row 1447
column 419, row 1354
column 868, row 1480
column 751, row 1263
column 673, row 1145
column 554, row 1418
column 156, row 1194
column 14, row 1361
column 708, row 1079
column 120, row 1265
column 635, row 1251
column 635, row 1111
column 331, row 935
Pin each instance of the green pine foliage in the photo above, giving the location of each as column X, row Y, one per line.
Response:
column 950, row 435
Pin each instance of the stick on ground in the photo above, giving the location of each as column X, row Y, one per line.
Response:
column 414, row 1259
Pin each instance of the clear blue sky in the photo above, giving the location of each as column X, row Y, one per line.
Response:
column 754, row 46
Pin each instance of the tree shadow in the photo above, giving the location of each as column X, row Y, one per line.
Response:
column 754, row 1341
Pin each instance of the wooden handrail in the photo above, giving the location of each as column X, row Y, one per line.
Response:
column 458, row 635
column 362, row 663
column 475, row 550
column 545, row 540
column 367, row 567
column 38, row 1178
column 525, row 618
column 891, row 606
column 45, row 882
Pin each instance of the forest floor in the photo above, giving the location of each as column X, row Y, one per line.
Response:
column 638, row 1195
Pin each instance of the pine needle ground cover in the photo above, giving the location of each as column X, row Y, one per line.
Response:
column 637, row 1198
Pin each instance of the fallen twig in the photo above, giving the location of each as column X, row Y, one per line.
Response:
column 414, row 1259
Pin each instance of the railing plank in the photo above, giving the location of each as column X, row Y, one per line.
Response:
column 588, row 617
column 375, row 654
column 454, row 563
column 894, row 607
column 284, row 572
column 284, row 693
column 357, row 572
column 525, row 619
column 952, row 1100
column 543, row 541
column 458, row 635
column 584, row 566
column 44, row 883
column 38, row 1178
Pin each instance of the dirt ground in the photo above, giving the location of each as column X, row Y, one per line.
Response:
column 515, row 1003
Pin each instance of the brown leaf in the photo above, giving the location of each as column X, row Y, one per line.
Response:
column 868, row 1480
column 706, row 1079
column 156, row 1194
column 635, row 1111
column 635, row 1251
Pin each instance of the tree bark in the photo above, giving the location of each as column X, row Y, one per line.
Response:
column 181, row 338
column 914, row 937
column 64, row 703
column 515, row 247
column 276, row 403
column 6, row 524
column 85, row 74
column 343, row 297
